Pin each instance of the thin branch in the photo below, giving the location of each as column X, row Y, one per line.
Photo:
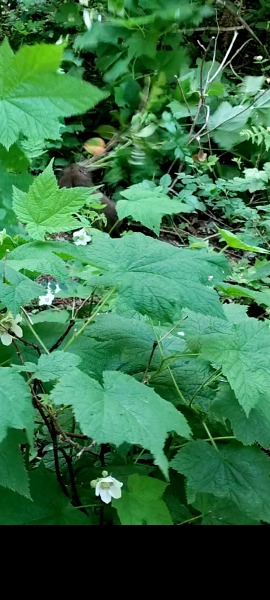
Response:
column 145, row 376
column 72, row 322
column 75, row 496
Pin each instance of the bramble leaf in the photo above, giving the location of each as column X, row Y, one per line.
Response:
column 122, row 410
column 142, row 503
column 34, row 95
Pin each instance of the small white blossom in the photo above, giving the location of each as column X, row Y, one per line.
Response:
column 81, row 238
column 49, row 297
column 87, row 19
column 108, row 488
column 99, row 18
column 180, row 333
column 7, row 325
column 84, row 2
column 3, row 235
column 258, row 58
column 59, row 41
column 57, row 288
column 210, row 277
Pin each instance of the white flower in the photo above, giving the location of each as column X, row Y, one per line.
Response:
column 87, row 19
column 59, row 41
column 99, row 18
column 180, row 333
column 3, row 235
column 84, row 2
column 49, row 297
column 258, row 58
column 10, row 324
column 108, row 488
column 82, row 237
column 57, row 288
column 210, row 277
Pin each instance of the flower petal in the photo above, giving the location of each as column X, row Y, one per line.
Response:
column 17, row 330
column 105, row 495
column 115, row 492
column 48, row 299
column 98, row 488
column 6, row 339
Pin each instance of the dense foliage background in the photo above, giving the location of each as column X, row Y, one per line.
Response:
column 134, row 356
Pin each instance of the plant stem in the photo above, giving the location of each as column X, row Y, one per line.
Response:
column 210, row 436
column 85, row 325
column 34, row 332
column 190, row 520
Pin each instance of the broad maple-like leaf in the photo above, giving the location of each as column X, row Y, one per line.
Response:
column 147, row 203
column 123, row 410
column 240, row 475
column 34, row 95
column 47, row 209
column 142, row 503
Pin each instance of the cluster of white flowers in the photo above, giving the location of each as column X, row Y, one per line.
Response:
column 107, row 487
column 81, row 238
column 49, row 297
column 9, row 325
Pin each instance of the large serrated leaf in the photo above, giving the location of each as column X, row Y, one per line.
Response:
column 49, row 506
column 52, row 366
column 240, row 475
column 16, row 290
column 220, row 511
column 248, row 430
column 34, row 95
column 156, row 278
column 13, row 473
column 15, row 403
column 226, row 123
column 243, row 351
column 115, row 343
column 147, row 203
column 123, row 410
column 47, row 209
column 39, row 257
column 142, row 504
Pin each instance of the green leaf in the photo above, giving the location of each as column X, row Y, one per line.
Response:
column 142, row 504
column 220, row 511
column 248, row 430
column 41, row 257
column 15, row 404
column 46, row 208
column 14, row 159
column 156, row 278
column 226, row 123
column 244, row 353
column 7, row 181
column 234, row 242
column 115, row 343
column 147, row 204
column 240, row 475
column 49, row 505
column 252, row 85
column 34, row 96
column 189, row 374
column 13, row 474
column 123, row 410
column 16, row 290
column 53, row 366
